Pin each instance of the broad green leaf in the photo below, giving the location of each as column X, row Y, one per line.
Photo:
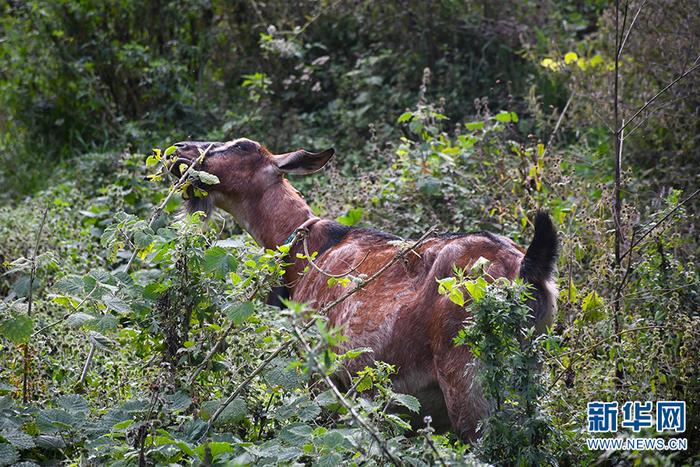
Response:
column 404, row 117
column 352, row 217
column 476, row 290
column 8, row 454
column 408, row 401
column 205, row 177
column 18, row 439
column 179, row 401
column 17, row 328
column 457, row 297
column 279, row 374
column 329, row 460
column 416, row 126
column 592, row 306
column 170, row 150
column 70, row 284
column 233, row 413
column 240, row 312
column 471, row 126
column 296, row 433
column 123, row 425
column 219, row 261
column 100, row 340
column 72, row 403
column 506, row 117
column 112, row 302
column 570, row 57
column 78, row 319
column 479, row 267
column 50, row 442
column 56, row 420
column 216, row 448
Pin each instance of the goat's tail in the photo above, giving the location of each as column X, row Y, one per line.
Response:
column 538, row 267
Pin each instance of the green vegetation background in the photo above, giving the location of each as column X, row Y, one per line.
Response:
column 469, row 115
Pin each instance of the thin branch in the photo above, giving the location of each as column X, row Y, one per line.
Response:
column 663, row 219
column 426, row 432
column 660, row 93
column 67, row 315
column 634, row 20
column 335, row 276
column 339, row 396
column 30, row 302
column 558, row 124
column 86, row 367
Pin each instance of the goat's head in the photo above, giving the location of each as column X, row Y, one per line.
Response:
column 245, row 169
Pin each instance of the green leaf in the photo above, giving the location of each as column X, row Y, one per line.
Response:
column 216, row 448
column 50, row 442
column 55, row 420
column 219, row 261
column 279, row 374
column 471, row 126
column 476, row 290
column 179, row 401
column 8, row 454
column 18, row 439
column 73, row 403
column 479, row 266
column 100, row 340
column 205, row 177
column 457, row 297
column 71, row 284
column 404, row 117
column 233, row 413
column 398, row 421
column 123, row 425
column 408, row 401
column 296, row 434
column 240, row 312
column 78, row 319
column 112, row 302
column 170, row 150
column 329, row 460
column 592, row 306
column 415, row 126
column 506, row 117
column 17, row 329
column 151, row 161
column 352, row 217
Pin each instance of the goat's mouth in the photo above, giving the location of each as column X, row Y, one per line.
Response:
column 179, row 166
column 194, row 194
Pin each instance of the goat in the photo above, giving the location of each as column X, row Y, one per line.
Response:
column 401, row 316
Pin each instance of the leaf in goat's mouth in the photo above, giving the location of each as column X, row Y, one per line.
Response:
column 205, row 177
column 190, row 189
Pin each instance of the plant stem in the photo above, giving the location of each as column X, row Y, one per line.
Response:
column 30, row 302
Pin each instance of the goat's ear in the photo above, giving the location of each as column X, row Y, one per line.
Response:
column 303, row 162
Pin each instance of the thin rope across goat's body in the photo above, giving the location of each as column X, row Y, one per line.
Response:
column 304, row 235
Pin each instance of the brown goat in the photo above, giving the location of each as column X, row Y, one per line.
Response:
column 400, row 316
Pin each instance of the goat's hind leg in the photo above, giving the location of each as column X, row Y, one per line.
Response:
column 466, row 405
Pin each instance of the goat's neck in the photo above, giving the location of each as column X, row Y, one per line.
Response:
column 270, row 217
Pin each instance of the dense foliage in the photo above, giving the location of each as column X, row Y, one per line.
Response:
column 131, row 335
